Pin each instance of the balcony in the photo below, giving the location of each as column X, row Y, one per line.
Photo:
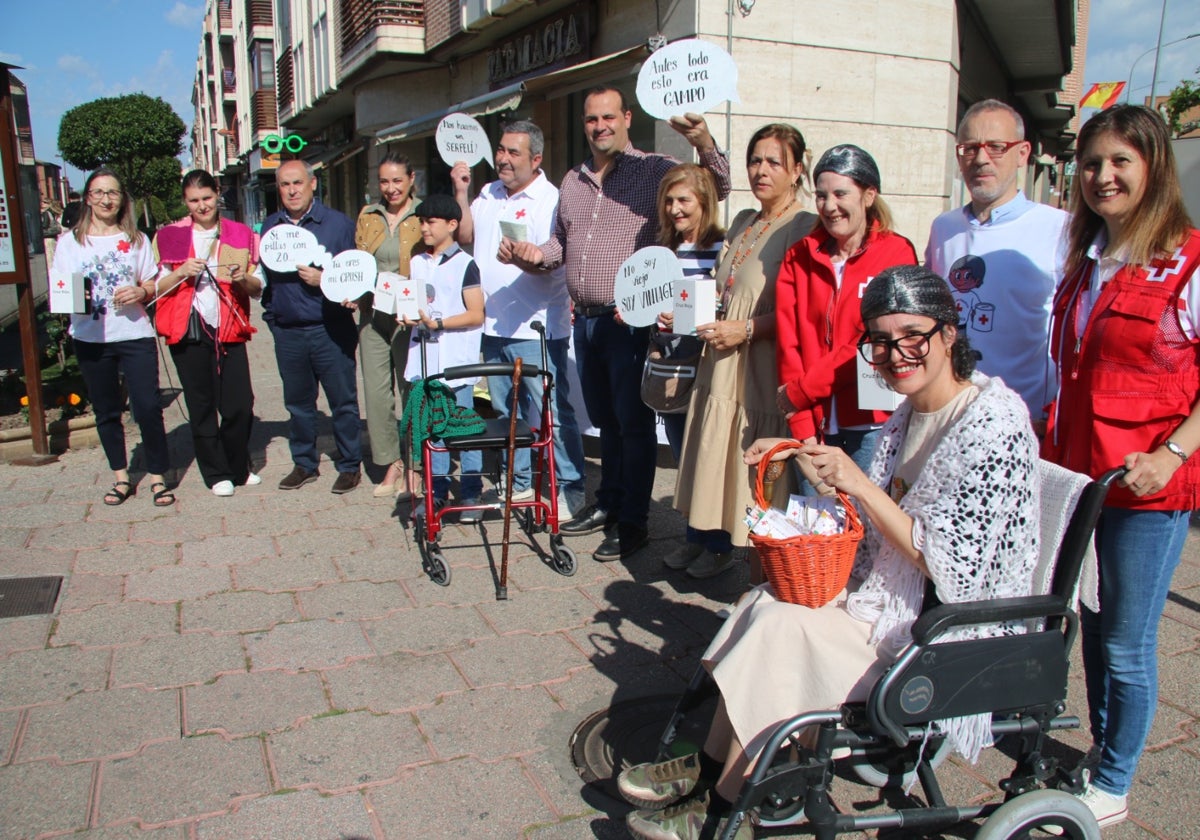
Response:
column 231, row 147
column 228, row 82
column 259, row 13
column 366, row 28
column 263, row 116
column 225, row 18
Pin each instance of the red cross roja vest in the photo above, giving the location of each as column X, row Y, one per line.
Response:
column 1130, row 379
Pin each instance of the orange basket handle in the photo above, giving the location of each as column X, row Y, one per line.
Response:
column 853, row 522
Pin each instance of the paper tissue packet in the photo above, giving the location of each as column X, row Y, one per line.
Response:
column 804, row 516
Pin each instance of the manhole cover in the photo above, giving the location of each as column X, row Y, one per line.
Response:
column 28, row 596
column 627, row 733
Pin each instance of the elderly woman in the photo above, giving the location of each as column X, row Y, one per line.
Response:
column 733, row 401
column 952, row 496
column 820, row 284
column 390, row 231
column 1125, row 337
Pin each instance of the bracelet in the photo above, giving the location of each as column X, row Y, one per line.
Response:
column 1172, row 446
column 749, row 330
column 441, row 326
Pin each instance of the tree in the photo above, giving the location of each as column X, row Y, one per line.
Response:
column 128, row 134
column 1183, row 98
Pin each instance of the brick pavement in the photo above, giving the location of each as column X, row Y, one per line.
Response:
column 276, row 665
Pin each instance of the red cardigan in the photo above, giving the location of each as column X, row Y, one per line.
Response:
column 236, row 244
column 818, row 326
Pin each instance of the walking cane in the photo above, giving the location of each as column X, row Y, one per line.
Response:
column 502, row 590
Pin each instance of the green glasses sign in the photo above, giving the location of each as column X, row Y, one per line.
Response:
column 274, row 144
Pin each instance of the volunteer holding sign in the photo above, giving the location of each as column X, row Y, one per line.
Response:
column 733, row 401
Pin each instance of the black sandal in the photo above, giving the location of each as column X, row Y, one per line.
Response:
column 117, row 496
column 163, row 497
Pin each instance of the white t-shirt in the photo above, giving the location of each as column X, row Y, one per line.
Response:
column 108, row 262
column 205, row 302
column 515, row 298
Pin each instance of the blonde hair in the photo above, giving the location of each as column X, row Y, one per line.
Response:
column 701, row 182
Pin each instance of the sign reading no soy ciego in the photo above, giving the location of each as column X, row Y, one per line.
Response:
column 644, row 285
column 688, row 75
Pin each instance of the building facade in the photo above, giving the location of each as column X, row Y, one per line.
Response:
column 358, row 77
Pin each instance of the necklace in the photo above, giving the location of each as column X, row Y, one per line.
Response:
column 740, row 254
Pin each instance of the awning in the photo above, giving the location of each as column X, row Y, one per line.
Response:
column 336, row 154
column 566, row 80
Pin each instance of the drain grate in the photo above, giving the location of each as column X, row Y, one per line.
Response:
column 28, row 596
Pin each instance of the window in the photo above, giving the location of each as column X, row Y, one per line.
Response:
column 320, row 45
column 262, row 65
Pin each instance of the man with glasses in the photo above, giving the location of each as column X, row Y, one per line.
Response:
column 1002, row 255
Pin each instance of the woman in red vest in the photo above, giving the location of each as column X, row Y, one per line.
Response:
column 1125, row 340
column 202, row 297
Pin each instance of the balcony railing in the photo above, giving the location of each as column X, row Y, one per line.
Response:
column 285, row 90
column 228, row 81
column 231, row 148
column 358, row 19
column 263, row 116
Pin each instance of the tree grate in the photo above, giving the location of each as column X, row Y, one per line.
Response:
column 28, row 596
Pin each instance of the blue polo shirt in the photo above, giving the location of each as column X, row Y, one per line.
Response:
column 290, row 302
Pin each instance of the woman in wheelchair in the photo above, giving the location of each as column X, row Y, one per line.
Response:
column 952, row 496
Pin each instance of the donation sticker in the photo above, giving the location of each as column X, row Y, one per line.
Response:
column 349, row 276
column 284, row 247
column 461, row 137
column 644, row 285
column 689, row 75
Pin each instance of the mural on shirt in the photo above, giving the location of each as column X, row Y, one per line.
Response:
column 434, row 314
column 105, row 274
column 975, row 313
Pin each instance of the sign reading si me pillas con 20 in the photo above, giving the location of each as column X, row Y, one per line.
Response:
column 274, row 144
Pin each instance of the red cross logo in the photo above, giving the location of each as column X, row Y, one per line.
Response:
column 123, row 246
column 61, row 284
column 958, row 306
column 1161, row 269
column 405, row 292
column 386, row 285
column 683, row 295
column 520, row 214
column 983, row 320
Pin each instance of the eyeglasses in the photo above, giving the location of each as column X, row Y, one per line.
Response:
column 913, row 347
column 96, row 195
column 994, row 148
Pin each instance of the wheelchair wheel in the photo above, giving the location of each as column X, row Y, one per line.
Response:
column 562, row 557
column 436, row 566
column 1025, row 815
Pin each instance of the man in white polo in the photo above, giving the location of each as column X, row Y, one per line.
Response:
column 1002, row 255
column 522, row 205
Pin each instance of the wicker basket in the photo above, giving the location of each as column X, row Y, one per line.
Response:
column 811, row 569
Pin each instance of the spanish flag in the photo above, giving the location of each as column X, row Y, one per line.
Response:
column 1102, row 94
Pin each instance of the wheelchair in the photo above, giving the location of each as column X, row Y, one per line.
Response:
column 892, row 738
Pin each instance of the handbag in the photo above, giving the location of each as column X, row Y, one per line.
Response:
column 669, row 372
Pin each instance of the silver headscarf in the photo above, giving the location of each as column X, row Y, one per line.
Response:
column 915, row 290
column 852, row 162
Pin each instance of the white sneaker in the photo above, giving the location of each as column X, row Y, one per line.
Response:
column 1107, row 808
column 564, row 509
column 522, row 495
column 223, row 488
column 253, row 480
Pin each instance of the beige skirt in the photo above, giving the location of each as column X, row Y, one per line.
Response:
column 773, row 660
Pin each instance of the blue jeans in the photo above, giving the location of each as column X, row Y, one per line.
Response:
column 859, row 444
column 324, row 355
column 675, row 425
column 610, row 357
column 137, row 358
column 568, row 443
column 470, row 461
column 1138, row 553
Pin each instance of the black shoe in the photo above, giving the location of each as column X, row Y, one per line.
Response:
column 346, row 481
column 588, row 521
column 297, row 478
column 620, row 542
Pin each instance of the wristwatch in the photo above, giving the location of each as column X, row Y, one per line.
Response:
column 441, row 326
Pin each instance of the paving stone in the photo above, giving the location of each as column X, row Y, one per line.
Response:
column 130, row 831
column 28, row 563
column 1178, row 677
column 590, row 689
column 177, row 583
column 382, row 563
column 115, row 624
column 174, row 528
column 307, row 644
column 9, row 720
column 427, row 629
column 330, row 542
column 265, row 524
column 173, row 781
column 519, row 659
column 177, row 660
column 246, row 704
column 78, row 535
column 236, row 612
column 314, row 497
column 23, row 496
column 554, row 609
column 27, row 632
column 462, row 798
column 40, row 515
column 82, row 591
column 99, row 724
column 284, row 573
column 555, row 775
column 227, row 550
column 51, row 675
column 343, row 751
column 595, row 826
column 488, row 723
column 15, row 537
column 1164, row 779
column 468, row 585
column 124, row 560
column 41, row 798
column 304, row 813
column 350, row 515
column 360, row 599
column 393, row 682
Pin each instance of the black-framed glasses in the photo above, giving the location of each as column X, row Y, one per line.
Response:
column 994, row 148
column 913, row 347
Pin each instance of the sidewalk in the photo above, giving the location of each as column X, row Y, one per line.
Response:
column 276, row 665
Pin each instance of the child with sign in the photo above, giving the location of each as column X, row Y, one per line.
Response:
column 453, row 316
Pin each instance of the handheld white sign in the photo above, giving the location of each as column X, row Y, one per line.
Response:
column 385, row 292
column 461, row 137
column 68, row 293
column 695, row 304
column 645, row 283
column 284, row 247
column 689, row 75
column 349, row 276
column 407, row 306
column 873, row 392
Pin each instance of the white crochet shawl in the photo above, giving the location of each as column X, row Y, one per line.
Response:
column 977, row 501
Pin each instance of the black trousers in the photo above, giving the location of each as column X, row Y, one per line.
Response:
column 217, row 386
column 137, row 358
